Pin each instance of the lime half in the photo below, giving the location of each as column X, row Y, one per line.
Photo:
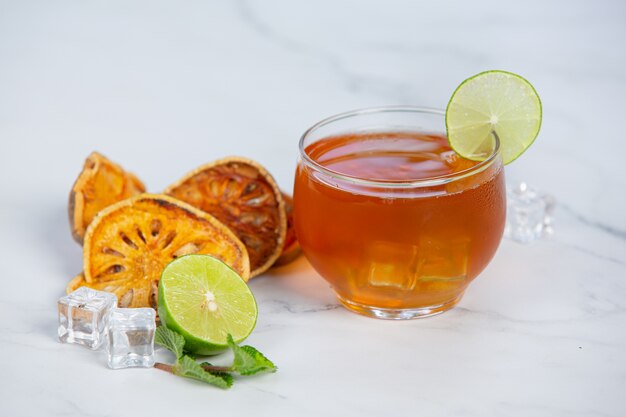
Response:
column 490, row 104
column 203, row 299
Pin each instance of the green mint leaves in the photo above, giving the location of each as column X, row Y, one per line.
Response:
column 170, row 340
column 247, row 361
column 189, row 368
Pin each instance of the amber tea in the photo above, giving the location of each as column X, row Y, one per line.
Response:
column 396, row 221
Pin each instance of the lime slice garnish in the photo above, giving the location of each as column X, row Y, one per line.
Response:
column 493, row 103
column 203, row 299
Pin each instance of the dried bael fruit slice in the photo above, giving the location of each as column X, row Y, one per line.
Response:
column 245, row 197
column 291, row 248
column 128, row 245
column 76, row 282
column 100, row 184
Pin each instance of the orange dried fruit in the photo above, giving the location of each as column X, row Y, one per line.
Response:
column 243, row 196
column 100, row 184
column 76, row 282
column 128, row 245
column 291, row 248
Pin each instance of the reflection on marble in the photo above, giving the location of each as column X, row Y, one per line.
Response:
column 165, row 86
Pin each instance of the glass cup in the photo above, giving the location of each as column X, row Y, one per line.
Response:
column 398, row 248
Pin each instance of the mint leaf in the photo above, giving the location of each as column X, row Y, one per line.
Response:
column 222, row 374
column 248, row 360
column 170, row 340
column 189, row 368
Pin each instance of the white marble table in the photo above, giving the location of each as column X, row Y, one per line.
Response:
column 164, row 86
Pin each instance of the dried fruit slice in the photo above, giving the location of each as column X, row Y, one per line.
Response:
column 76, row 282
column 128, row 245
column 291, row 248
column 100, row 184
column 79, row 281
column 245, row 197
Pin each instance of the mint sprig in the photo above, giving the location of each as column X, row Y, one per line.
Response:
column 247, row 361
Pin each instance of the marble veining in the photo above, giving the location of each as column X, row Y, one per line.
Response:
column 613, row 231
column 394, row 90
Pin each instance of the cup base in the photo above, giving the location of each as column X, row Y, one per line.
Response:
column 398, row 313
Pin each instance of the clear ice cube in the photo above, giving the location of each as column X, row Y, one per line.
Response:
column 400, row 266
column 83, row 316
column 529, row 214
column 443, row 259
column 131, row 338
column 391, row 265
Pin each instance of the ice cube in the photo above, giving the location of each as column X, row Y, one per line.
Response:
column 131, row 338
column 392, row 265
column 443, row 259
column 529, row 214
column 83, row 316
column 400, row 266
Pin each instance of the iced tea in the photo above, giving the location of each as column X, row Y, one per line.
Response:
column 396, row 221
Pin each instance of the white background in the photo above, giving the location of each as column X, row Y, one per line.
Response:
column 164, row 86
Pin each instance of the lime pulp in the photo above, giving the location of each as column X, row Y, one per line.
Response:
column 489, row 105
column 203, row 299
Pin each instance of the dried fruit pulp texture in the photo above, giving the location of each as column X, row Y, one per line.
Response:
column 109, row 186
column 397, row 248
column 129, row 244
column 241, row 196
column 100, row 184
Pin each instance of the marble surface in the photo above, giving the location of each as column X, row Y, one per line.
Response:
column 163, row 86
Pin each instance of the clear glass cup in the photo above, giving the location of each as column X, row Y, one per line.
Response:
column 402, row 247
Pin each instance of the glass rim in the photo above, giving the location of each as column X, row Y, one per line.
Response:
column 413, row 183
